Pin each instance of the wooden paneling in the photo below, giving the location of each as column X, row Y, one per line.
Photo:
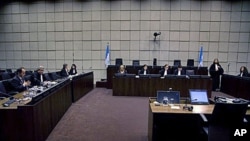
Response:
column 112, row 69
column 124, row 86
column 236, row 86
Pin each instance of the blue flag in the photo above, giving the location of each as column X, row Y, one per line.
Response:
column 107, row 56
column 201, row 57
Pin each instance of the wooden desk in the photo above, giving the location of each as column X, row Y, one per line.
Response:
column 81, row 85
column 164, row 123
column 35, row 120
column 124, row 86
column 112, row 69
column 236, row 86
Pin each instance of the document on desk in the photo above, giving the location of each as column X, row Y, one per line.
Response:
column 175, row 106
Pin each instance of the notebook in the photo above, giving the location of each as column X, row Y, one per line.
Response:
column 173, row 96
column 198, row 96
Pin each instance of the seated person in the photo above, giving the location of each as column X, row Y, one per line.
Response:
column 243, row 72
column 144, row 70
column 165, row 71
column 73, row 70
column 38, row 76
column 179, row 71
column 122, row 69
column 64, row 71
column 18, row 82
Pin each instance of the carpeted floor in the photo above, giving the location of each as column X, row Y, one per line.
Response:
column 99, row 116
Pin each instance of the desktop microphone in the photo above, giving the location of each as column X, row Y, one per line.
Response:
column 189, row 108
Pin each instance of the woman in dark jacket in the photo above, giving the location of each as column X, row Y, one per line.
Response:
column 243, row 72
column 215, row 71
column 73, row 70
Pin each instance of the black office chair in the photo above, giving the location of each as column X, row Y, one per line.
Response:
column 177, row 63
column 54, row 76
column 225, row 118
column 5, row 75
column 118, row 61
column 136, row 63
column 9, row 70
column 3, row 91
column 46, row 75
column 190, row 62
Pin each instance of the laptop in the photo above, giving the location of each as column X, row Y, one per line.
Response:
column 173, row 96
column 198, row 96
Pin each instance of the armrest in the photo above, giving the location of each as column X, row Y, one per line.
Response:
column 245, row 120
column 204, row 118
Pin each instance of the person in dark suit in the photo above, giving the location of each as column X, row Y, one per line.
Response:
column 73, row 70
column 165, row 71
column 179, row 71
column 144, row 70
column 38, row 76
column 64, row 71
column 18, row 82
column 122, row 69
column 243, row 72
column 216, row 71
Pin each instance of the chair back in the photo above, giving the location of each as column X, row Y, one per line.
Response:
column 136, row 63
column 177, row 63
column 118, row 61
column 228, row 114
column 46, row 75
column 190, row 62
column 2, row 88
column 225, row 119
column 5, row 75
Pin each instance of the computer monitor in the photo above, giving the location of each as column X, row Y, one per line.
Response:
column 173, row 96
column 155, row 75
column 130, row 75
column 198, row 96
column 189, row 72
column 119, row 75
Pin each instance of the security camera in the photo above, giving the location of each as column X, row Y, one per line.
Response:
column 156, row 34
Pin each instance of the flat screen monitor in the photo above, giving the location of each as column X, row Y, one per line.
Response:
column 144, row 76
column 130, row 75
column 173, row 96
column 119, row 75
column 189, row 72
column 198, row 96
column 155, row 75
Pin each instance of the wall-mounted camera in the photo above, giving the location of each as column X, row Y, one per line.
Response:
column 156, row 34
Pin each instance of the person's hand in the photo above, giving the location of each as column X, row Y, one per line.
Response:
column 27, row 83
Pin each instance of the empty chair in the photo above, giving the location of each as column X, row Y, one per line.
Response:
column 54, row 76
column 28, row 72
column 5, row 89
column 46, row 75
column 136, row 63
column 9, row 70
column 5, row 75
column 118, row 61
column 225, row 118
column 190, row 62
column 177, row 63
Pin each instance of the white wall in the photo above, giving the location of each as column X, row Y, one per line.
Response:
column 73, row 31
